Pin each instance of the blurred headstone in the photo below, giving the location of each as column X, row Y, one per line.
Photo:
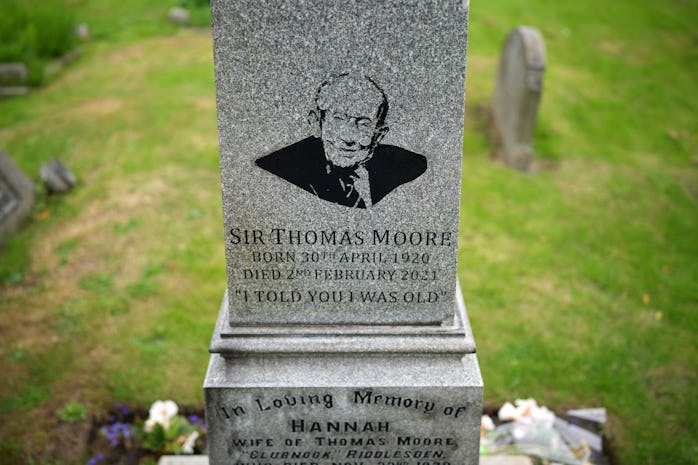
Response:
column 82, row 30
column 16, row 196
column 516, row 97
column 179, row 15
column 13, row 79
column 57, row 177
column 13, row 74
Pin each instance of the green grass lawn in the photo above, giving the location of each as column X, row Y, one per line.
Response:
column 581, row 280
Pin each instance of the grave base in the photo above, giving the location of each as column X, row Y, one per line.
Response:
column 400, row 396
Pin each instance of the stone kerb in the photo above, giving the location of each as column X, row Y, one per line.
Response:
column 517, row 96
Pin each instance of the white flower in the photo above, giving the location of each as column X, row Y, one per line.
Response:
column 188, row 446
column 160, row 413
column 486, row 423
column 507, row 412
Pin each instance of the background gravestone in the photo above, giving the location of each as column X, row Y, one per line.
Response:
column 13, row 74
column 57, row 177
column 13, row 79
column 343, row 335
column 16, row 196
column 517, row 94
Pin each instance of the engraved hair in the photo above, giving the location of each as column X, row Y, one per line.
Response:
column 323, row 98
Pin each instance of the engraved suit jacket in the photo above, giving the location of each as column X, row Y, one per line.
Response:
column 305, row 165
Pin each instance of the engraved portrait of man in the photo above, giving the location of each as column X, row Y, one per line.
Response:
column 344, row 162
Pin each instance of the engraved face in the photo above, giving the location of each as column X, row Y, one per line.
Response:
column 348, row 139
column 352, row 111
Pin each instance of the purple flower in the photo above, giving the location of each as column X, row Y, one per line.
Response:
column 116, row 431
column 195, row 419
column 123, row 409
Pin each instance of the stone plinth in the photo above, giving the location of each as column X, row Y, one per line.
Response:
column 331, row 397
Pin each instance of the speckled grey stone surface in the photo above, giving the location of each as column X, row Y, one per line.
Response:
column 236, row 341
column 271, row 57
column 347, row 408
column 517, row 94
column 261, row 385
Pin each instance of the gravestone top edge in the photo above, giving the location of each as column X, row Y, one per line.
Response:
column 534, row 46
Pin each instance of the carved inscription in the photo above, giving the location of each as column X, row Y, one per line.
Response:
column 359, row 427
column 330, row 267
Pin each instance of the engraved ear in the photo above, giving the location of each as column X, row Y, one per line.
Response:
column 314, row 122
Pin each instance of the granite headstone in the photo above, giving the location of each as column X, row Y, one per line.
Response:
column 342, row 337
column 517, row 95
column 16, row 196
column 306, row 91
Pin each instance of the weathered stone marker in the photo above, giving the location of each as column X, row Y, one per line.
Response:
column 13, row 79
column 13, row 74
column 16, row 196
column 57, row 177
column 343, row 336
column 517, row 94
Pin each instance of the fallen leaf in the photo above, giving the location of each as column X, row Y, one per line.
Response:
column 43, row 214
column 645, row 299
